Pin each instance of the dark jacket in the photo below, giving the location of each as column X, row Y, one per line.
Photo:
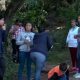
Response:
column 41, row 43
column 78, row 24
column 56, row 77
column 2, row 39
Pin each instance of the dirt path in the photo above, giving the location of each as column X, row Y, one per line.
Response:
column 44, row 74
column 43, row 77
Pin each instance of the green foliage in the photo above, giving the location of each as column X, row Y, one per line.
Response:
column 65, row 14
column 33, row 11
column 58, row 39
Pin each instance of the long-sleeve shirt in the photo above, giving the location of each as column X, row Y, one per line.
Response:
column 20, row 40
column 42, row 43
column 15, row 30
column 71, row 41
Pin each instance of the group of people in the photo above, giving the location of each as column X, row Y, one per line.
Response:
column 30, row 47
column 61, row 72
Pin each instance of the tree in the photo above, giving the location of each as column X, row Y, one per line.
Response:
column 12, row 8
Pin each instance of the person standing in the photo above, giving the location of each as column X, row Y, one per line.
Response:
column 2, row 40
column 25, row 41
column 78, row 21
column 72, row 43
column 42, row 43
column 77, row 75
column 14, row 31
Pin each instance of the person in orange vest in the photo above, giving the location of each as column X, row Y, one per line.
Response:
column 59, row 72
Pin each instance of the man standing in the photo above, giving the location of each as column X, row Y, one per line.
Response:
column 2, row 40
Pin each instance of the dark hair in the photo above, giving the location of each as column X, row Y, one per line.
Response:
column 73, row 20
column 17, row 21
column 41, row 29
column 27, row 23
column 63, row 66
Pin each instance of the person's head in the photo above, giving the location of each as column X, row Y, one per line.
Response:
column 28, row 26
column 63, row 67
column 73, row 22
column 17, row 22
column 78, row 19
column 20, row 24
column 1, row 22
column 41, row 29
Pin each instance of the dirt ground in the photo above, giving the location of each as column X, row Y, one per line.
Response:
column 44, row 77
column 44, row 74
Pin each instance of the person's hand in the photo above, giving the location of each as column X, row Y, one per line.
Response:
column 76, row 36
column 4, row 27
column 26, row 41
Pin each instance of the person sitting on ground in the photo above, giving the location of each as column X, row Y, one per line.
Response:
column 59, row 72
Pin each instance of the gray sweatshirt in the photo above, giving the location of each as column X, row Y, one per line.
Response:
column 20, row 40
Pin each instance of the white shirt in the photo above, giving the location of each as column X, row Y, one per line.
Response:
column 71, row 41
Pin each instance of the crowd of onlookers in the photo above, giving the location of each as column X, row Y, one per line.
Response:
column 29, row 46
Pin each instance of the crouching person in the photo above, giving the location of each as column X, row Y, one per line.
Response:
column 59, row 72
column 2, row 39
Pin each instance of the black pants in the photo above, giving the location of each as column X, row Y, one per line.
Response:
column 14, row 47
column 2, row 67
column 15, row 50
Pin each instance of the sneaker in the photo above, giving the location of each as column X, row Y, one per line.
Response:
column 77, row 75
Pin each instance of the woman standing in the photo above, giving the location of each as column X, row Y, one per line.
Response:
column 72, row 43
column 25, row 40
column 41, row 45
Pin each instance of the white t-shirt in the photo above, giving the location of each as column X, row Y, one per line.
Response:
column 71, row 41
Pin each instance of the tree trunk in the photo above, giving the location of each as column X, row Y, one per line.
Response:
column 12, row 8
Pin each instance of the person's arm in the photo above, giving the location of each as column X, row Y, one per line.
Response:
column 79, row 32
column 49, row 42
column 67, row 39
column 31, row 42
column 78, row 35
column 12, row 30
column 19, row 40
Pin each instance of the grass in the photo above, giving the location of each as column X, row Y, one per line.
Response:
column 54, row 58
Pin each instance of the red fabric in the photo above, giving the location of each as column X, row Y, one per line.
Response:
column 54, row 70
column 73, row 53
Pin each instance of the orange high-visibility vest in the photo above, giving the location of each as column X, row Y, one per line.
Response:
column 54, row 70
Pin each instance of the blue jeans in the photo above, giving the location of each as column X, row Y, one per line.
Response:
column 63, row 77
column 23, row 56
column 39, row 60
column 56, row 77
